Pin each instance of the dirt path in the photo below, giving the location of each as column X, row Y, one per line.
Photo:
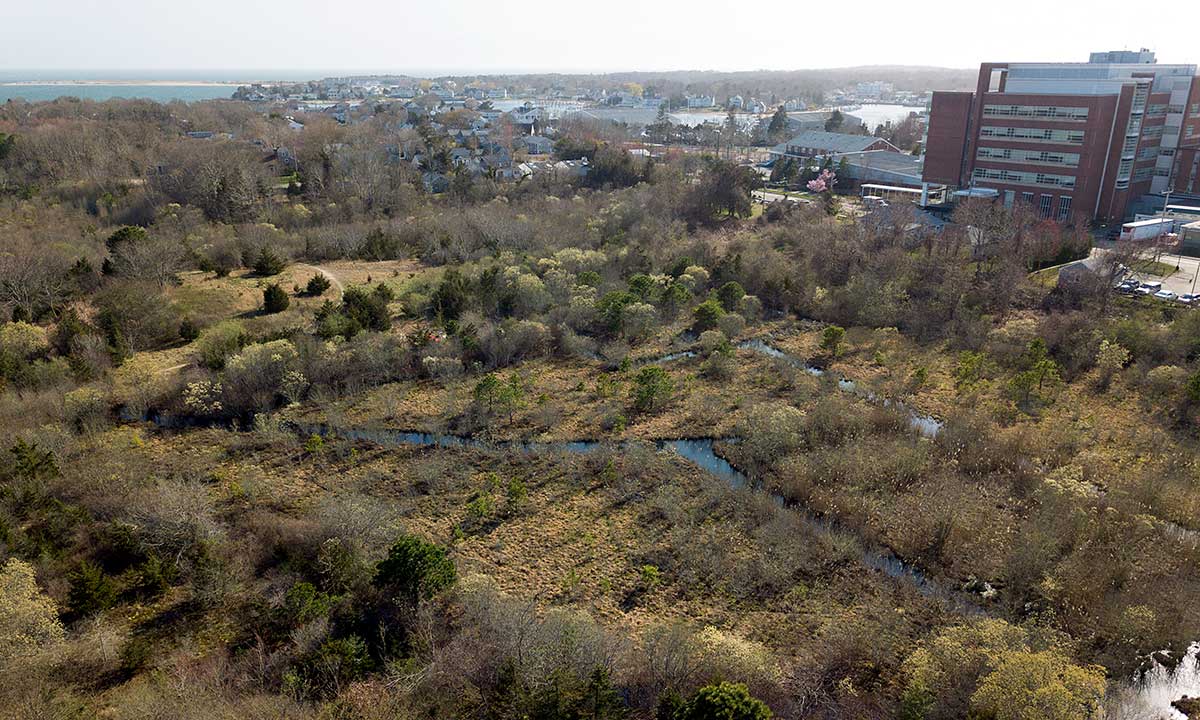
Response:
column 328, row 275
column 173, row 368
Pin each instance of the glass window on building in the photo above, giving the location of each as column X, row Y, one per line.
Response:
column 1064, row 208
column 1044, row 205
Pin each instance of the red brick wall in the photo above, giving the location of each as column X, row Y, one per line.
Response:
column 1191, row 119
column 949, row 119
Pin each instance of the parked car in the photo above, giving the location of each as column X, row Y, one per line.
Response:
column 1188, row 298
column 1128, row 286
column 1165, row 295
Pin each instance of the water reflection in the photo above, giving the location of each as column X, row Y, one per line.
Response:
column 1150, row 693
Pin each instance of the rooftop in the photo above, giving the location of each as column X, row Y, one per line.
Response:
column 831, row 142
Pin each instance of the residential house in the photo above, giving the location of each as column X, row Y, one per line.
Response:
column 537, row 145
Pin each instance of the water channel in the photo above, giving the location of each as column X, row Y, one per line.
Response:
column 1147, row 696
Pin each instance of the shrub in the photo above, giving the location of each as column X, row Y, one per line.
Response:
column 220, row 342
column 275, row 299
column 694, row 278
column 1026, row 684
column 188, row 330
column 341, row 566
column 328, row 670
column 970, row 370
column 268, row 262
column 368, row 309
column 712, row 340
column 723, row 701
column 255, row 378
column 706, row 316
column 414, row 569
column 135, row 654
column 730, row 295
column 719, row 364
column 638, row 321
column 1110, row 359
column 611, row 308
column 771, row 432
column 317, row 285
column 651, row 388
column 644, row 286
column 831, row 340
column 674, row 297
column 91, row 591
column 494, row 395
column 28, row 618
column 21, row 342
column 136, row 316
column 732, row 324
column 751, row 308
column 85, row 408
column 303, row 604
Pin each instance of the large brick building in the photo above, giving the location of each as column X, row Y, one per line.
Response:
column 1074, row 140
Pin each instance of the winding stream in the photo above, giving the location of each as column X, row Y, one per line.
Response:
column 1147, row 696
column 700, row 452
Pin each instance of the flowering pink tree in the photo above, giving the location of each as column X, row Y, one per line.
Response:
column 823, row 186
column 823, row 182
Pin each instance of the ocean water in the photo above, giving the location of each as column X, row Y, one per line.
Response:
column 166, row 85
column 159, row 85
column 97, row 91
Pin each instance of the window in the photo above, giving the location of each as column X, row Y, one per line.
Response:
column 1044, row 206
column 1048, row 112
column 1046, row 135
column 1030, row 157
column 1027, row 198
column 1014, row 177
column 1064, row 207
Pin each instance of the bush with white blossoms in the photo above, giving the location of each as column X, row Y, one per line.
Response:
column 203, row 398
column 694, row 278
column 442, row 367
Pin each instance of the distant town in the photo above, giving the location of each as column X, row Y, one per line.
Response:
column 1108, row 140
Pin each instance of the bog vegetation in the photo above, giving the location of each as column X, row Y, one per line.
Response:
column 208, row 346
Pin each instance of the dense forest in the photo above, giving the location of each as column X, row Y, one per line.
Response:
column 285, row 435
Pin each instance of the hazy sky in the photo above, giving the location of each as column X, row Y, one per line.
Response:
column 598, row 35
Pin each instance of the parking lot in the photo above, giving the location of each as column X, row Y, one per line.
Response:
column 1180, row 282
